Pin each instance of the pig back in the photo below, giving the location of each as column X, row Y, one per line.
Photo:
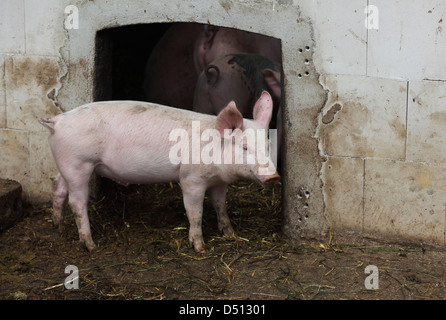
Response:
column 127, row 141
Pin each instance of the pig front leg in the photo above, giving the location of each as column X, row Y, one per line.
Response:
column 193, row 198
column 218, row 198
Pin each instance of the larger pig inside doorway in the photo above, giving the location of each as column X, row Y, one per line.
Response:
column 190, row 66
column 164, row 63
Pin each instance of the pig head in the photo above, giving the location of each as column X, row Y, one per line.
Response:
column 214, row 42
column 183, row 52
column 240, row 77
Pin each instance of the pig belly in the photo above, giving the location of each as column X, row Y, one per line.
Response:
column 133, row 173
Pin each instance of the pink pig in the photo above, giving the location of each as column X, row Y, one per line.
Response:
column 130, row 143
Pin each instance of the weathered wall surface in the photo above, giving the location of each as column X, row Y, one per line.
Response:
column 382, row 129
column 364, row 107
column 31, row 34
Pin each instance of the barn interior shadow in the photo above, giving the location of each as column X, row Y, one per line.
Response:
column 121, row 55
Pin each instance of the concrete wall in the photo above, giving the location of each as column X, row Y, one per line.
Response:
column 365, row 145
column 382, row 128
column 31, row 34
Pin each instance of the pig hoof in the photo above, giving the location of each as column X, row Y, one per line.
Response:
column 232, row 237
column 91, row 247
column 200, row 250
column 198, row 247
column 58, row 224
column 229, row 233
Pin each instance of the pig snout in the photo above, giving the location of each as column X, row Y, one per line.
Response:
column 270, row 180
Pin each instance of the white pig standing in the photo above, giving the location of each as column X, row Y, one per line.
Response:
column 128, row 142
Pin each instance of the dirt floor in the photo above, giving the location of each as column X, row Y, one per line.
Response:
column 142, row 235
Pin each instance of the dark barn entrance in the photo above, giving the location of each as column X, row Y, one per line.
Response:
column 121, row 55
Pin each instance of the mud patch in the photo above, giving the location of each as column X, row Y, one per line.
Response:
column 137, row 109
column 22, row 70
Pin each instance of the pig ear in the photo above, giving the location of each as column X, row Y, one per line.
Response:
column 229, row 118
column 272, row 79
column 209, row 33
column 263, row 109
column 212, row 73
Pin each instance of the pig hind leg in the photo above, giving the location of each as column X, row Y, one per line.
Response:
column 59, row 197
column 218, row 198
column 77, row 183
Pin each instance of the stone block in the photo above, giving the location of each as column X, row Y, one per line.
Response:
column 11, row 207
column 404, row 201
column 339, row 25
column 343, row 193
column 410, row 40
column 426, row 137
column 364, row 117
column 43, row 166
column 44, row 36
column 14, row 154
column 12, row 27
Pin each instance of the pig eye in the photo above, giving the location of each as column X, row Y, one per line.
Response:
column 245, row 147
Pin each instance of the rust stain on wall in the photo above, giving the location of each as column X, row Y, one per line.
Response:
column 42, row 71
column 32, row 84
